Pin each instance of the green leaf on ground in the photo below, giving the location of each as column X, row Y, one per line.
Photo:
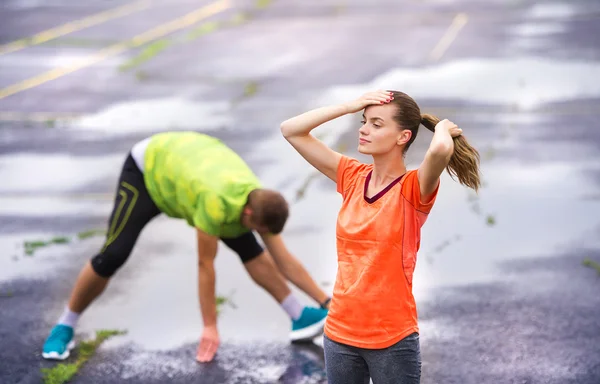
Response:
column 146, row 54
column 59, row 240
column 592, row 264
column 491, row 220
column 32, row 246
column 222, row 300
column 91, row 233
column 304, row 187
column 250, row 89
column 203, row 29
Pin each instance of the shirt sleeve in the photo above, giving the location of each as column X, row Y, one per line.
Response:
column 210, row 213
column 347, row 173
column 411, row 190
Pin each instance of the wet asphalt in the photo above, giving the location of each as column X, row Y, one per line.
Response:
column 503, row 296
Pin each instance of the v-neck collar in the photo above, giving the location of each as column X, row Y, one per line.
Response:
column 380, row 194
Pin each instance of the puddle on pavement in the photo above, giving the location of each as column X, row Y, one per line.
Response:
column 531, row 213
column 551, row 10
column 25, row 173
column 537, row 29
column 14, row 265
column 520, row 82
column 51, row 58
column 175, row 113
column 542, row 23
column 25, row 176
column 35, row 206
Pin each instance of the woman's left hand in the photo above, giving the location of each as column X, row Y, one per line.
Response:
column 452, row 128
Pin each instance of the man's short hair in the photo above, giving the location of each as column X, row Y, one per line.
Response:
column 270, row 209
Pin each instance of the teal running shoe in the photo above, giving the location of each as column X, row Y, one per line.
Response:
column 59, row 343
column 309, row 325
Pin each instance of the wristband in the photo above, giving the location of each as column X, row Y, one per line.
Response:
column 324, row 304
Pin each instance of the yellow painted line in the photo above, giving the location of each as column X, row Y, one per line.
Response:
column 76, row 25
column 116, row 49
column 458, row 23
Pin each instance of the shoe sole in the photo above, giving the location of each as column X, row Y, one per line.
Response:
column 55, row 356
column 309, row 332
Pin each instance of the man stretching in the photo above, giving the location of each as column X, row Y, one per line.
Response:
column 195, row 177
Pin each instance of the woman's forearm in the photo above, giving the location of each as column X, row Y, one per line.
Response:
column 301, row 125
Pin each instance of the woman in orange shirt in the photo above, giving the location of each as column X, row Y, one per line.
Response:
column 371, row 330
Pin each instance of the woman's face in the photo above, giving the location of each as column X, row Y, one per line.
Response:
column 380, row 133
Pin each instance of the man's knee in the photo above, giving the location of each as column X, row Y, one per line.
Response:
column 107, row 263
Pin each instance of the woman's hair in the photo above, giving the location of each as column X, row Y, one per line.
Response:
column 464, row 163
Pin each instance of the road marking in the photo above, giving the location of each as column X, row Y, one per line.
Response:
column 113, row 50
column 73, row 26
column 458, row 23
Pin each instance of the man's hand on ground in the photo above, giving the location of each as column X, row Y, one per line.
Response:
column 209, row 343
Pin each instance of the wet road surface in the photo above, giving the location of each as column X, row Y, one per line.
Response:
column 502, row 293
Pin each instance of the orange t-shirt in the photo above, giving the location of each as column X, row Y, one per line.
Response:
column 377, row 243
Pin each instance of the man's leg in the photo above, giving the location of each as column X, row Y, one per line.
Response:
column 307, row 322
column 132, row 210
column 293, row 270
column 263, row 271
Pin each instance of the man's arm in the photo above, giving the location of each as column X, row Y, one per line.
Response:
column 209, row 342
column 292, row 269
column 207, row 251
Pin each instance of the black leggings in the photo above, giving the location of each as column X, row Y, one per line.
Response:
column 134, row 209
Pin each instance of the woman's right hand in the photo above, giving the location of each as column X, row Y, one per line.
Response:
column 371, row 98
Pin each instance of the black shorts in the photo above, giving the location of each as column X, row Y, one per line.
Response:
column 133, row 209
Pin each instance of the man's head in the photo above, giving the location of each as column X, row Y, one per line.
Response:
column 266, row 211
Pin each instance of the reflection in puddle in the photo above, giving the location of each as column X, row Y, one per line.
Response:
column 551, row 10
column 537, row 29
column 522, row 82
column 157, row 114
column 26, row 173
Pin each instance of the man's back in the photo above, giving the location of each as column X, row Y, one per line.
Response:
column 198, row 178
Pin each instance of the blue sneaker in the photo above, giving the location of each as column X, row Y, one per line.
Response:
column 309, row 325
column 59, row 343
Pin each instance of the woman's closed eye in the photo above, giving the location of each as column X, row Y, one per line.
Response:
column 363, row 122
